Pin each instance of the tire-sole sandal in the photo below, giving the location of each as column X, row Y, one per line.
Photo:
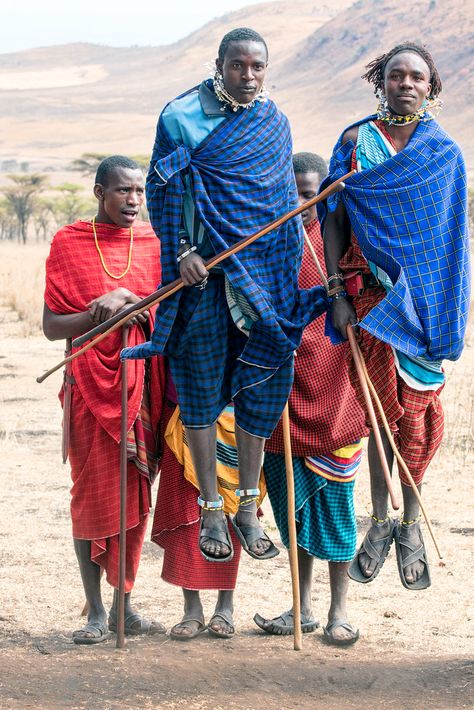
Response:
column 415, row 554
column 367, row 546
column 201, row 626
column 224, row 616
column 218, row 535
column 99, row 629
column 146, row 628
column 271, row 626
column 248, row 534
column 340, row 624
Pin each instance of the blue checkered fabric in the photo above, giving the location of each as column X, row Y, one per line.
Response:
column 325, row 516
column 242, row 179
column 204, row 349
column 409, row 215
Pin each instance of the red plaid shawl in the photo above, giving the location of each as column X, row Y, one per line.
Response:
column 324, row 413
column 74, row 277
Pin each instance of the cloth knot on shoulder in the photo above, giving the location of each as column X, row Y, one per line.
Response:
column 172, row 163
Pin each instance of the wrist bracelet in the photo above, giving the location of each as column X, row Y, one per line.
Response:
column 335, row 277
column 185, row 254
column 337, row 296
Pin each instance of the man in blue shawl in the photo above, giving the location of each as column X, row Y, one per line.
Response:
column 396, row 242
column 221, row 169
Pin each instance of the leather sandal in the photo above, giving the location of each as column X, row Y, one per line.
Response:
column 415, row 553
column 377, row 550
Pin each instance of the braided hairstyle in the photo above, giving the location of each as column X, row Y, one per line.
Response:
column 240, row 34
column 375, row 73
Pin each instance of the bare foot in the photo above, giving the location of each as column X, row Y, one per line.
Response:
column 248, row 517
column 376, row 534
column 411, row 533
column 213, row 544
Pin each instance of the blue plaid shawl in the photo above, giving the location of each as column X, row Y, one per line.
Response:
column 409, row 215
column 242, row 179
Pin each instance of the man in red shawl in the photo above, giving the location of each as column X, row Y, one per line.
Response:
column 326, row 425
column 94, row 270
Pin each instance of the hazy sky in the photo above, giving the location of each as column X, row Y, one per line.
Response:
column 39, row 23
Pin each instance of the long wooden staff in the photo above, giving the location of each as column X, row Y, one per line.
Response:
column 361, row 374
column 110, row 325
column 123, row 499
column 395, row 450
column 372, row 417
column 293, row 550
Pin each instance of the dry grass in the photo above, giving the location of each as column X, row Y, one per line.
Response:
column 22, row 282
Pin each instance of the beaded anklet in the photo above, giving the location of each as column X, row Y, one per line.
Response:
column 246, row 492
column 211, row 504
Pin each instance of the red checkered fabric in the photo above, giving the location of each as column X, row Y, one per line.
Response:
column 415, row 417
column 324, row 413
column 176, row 530
column 74, row 276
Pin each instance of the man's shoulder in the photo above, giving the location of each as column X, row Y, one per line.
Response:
column 144, row 230
column 181, row 105
column 72, row 230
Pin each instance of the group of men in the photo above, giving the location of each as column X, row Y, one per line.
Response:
column 211, row 371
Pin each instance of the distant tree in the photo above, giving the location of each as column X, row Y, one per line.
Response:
column 7, row 220
column 21, row 196
column 71, row 205
column 88, row 163
column 43, row 217
column 142, row 160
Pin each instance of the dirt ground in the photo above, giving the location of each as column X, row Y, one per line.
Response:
column 416, row 648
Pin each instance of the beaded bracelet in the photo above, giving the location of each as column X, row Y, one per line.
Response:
column 335, row 277
column 337, row 296
column 335, row 290
column 185, row 254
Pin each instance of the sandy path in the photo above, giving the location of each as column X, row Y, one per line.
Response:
column 415, row 648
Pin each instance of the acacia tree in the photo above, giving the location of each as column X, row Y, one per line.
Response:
column 21, row 196
column 7, row 220
column 88, row 163
column 71, row 205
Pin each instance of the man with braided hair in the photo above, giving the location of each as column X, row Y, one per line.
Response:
column 396, row 245
column 220, row 171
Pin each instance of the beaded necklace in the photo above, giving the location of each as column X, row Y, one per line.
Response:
column 427, row 111
column 127, row 269
column 224, row 96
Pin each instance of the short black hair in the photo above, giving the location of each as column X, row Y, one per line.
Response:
column 375, row 73
column 114, row 161
column 309, row 163
column 240, row 34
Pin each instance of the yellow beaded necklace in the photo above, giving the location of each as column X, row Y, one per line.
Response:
column 113, row 276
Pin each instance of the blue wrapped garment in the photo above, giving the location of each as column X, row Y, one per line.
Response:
column 242, row 179
column 409, row 215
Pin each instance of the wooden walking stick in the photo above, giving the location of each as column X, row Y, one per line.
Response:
column 293, row 549
column 123, row 500
column 110, row 325
column 360, row 365
column 372, row 417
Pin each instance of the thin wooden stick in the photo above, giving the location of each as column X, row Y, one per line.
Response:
column 153, row 299
column 397, row 454
column 319, row 268
column 123, row 500
column 293, row 551
column 372, row 417
column 386, row 425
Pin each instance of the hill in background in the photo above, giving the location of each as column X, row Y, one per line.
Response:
column 58, row 102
